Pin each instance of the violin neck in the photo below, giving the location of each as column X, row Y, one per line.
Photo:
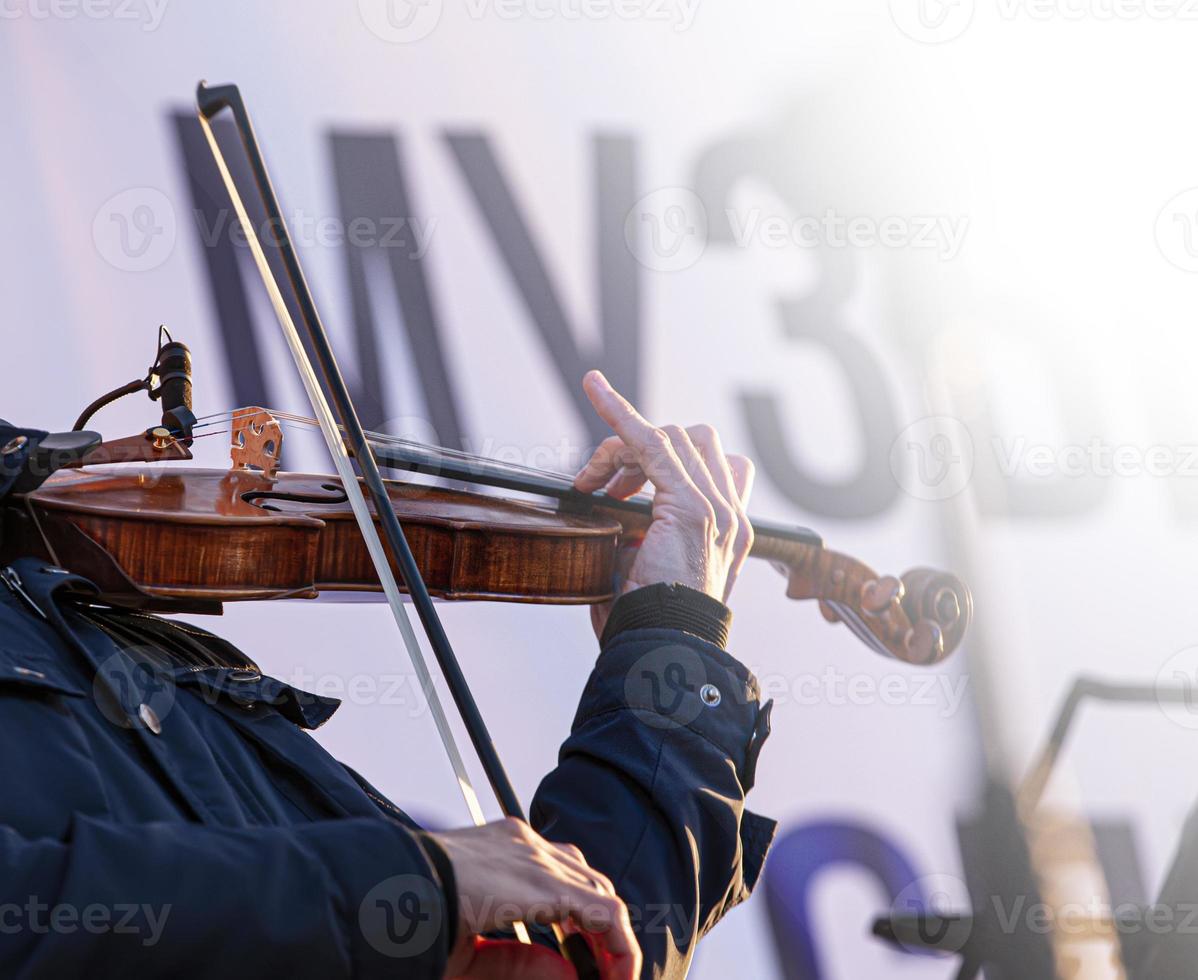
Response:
column 774, row 540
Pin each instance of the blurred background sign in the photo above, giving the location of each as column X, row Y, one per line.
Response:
column 930, row 264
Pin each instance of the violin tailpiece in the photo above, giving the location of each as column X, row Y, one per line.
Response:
column 153, row 446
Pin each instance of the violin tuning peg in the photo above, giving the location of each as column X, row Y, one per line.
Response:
column 940, row 597
column 828, row 612
column 924, row 643
column 877, row 595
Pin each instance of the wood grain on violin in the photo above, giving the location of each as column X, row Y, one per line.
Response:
column 186, row 539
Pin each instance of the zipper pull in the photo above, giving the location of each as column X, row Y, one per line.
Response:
column 10, row 578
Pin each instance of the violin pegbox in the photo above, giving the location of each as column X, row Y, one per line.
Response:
column 919, row 618
column 256, row 441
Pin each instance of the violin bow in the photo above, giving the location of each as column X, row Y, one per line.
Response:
column 344, row 436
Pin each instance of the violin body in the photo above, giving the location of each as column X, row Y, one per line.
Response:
column 181, row 539
column 191, row 539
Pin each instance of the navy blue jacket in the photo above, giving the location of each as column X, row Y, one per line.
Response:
column 174, row 818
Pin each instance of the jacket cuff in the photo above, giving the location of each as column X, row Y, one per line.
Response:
column 669, row 606
column 673, row 680
column 391, row 893
column 449, row 883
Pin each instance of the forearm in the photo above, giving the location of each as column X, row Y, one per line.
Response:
column 651, row 783
column 339, row 898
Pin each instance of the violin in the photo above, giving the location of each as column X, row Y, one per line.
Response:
column 181, row 539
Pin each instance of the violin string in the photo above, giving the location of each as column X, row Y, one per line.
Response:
column 384, row 440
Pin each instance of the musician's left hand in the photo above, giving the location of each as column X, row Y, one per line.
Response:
column 700, row 535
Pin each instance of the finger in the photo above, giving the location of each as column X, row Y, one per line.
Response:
column 653, row 452
column 606, row 925
column 627, row 483
column 609, row 458
column 611, row 966
column 743, row 474
column 616, row 410
column 692, row 461
column 707, row 441
column 735, row 484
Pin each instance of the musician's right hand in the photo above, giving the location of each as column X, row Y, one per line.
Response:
column 505, row 872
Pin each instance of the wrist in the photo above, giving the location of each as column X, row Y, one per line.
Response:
column 669, row 606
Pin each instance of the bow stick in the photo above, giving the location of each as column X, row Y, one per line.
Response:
column 344, row 436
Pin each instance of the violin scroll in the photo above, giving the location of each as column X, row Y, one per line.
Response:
column 941, row 598
column 919, row 618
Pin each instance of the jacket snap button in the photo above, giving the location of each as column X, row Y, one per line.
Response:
column 13, row 445
column 244, row 676
column 149, row 718
column 711, row 695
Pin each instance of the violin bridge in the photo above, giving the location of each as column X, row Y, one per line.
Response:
column 256, row 441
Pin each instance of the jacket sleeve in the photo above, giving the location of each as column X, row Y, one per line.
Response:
column 356, row 897
column 651, row 783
